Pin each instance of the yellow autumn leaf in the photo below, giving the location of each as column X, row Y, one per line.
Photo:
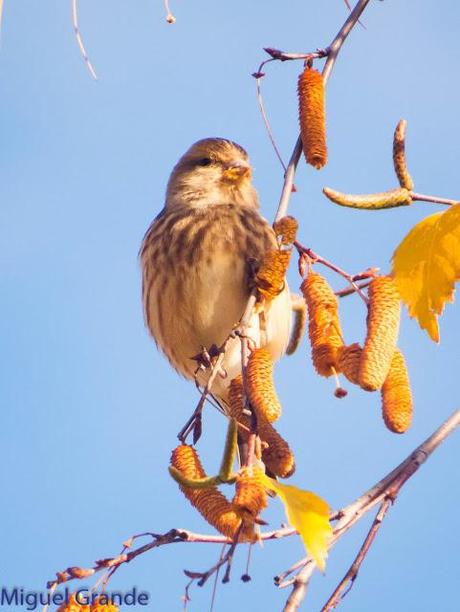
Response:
column 426, row 265
column 309, row 515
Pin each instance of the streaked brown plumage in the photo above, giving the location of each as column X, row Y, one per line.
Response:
column 196, row 259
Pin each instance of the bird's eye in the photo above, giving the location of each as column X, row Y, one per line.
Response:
column 204, row 162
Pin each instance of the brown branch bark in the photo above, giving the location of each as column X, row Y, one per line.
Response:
column 347, row 581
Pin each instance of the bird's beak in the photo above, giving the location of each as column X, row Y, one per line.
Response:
column 234, row 171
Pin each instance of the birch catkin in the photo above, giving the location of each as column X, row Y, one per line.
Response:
column 323, row 323
column 348, row 361
column 98, row 605
column 312, row 117
column 260, row 386
column 276, row 456
column 270, row 276
column 397, row 396
column 370, row 201
column 399, row 156
column 250, row 495
column 209, row 502
column 382, row 333
column 73, row 606
column 286, row 229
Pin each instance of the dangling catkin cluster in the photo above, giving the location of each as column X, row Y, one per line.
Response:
column 277, row 456
column 73, row 606
column 312, row 117
column 102, row 607
column 250, row 495
column 396, row 396
column 286, row 229
column 324, row 324
column 348, row 360
column 259, row 385
column 209, row 502
column 382, row 333
column 270, row 276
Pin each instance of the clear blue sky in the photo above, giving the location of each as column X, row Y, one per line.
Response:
column 89, row 409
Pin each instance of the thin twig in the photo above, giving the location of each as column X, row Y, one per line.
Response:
column 433, row 199
column 350, row 290
column 186, row 597
column 79, row 39
column 388, row 487
column 216, row 578
column 299, row 591
column 215, row 369
column 1, row 16
column 260, row 101
column 277, row 54
column 314, row 257
column 345, row 585
column 241, row 331
column 169, row 16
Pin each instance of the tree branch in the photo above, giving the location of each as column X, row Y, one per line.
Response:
column 386, row 489
column 384, row 492
column 352, row 573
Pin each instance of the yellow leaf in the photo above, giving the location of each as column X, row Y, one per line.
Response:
column 309, row 515
column 426, row 265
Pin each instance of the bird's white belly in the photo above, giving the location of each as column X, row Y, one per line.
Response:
column 214, row 296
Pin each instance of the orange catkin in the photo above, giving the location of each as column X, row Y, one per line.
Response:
column 324, row 324
column 382, row 333
column 270, row 276
column 348, row 359
column 399, row 156
column 73, row 606
column 259, row 384
column 209, row 502
column 286, row 229
column 396, row 396
column 250, row 495
column 312, row 117
column 276, row 456
column 98, row 605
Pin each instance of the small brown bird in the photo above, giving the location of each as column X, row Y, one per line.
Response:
column 197, row 257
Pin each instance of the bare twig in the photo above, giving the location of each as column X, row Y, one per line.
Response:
column 277, row 54
column 216, row 578
column 350, row 290
column 1, row 16
column 196, row 416
column 260, row 101
column 169, row 16
column 347, row 581
column 300, row 587
column 387, row 488
column 79, row 39
column 433, row 199
column 314, row 257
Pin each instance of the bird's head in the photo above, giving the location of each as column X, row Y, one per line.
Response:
column 213, row 171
